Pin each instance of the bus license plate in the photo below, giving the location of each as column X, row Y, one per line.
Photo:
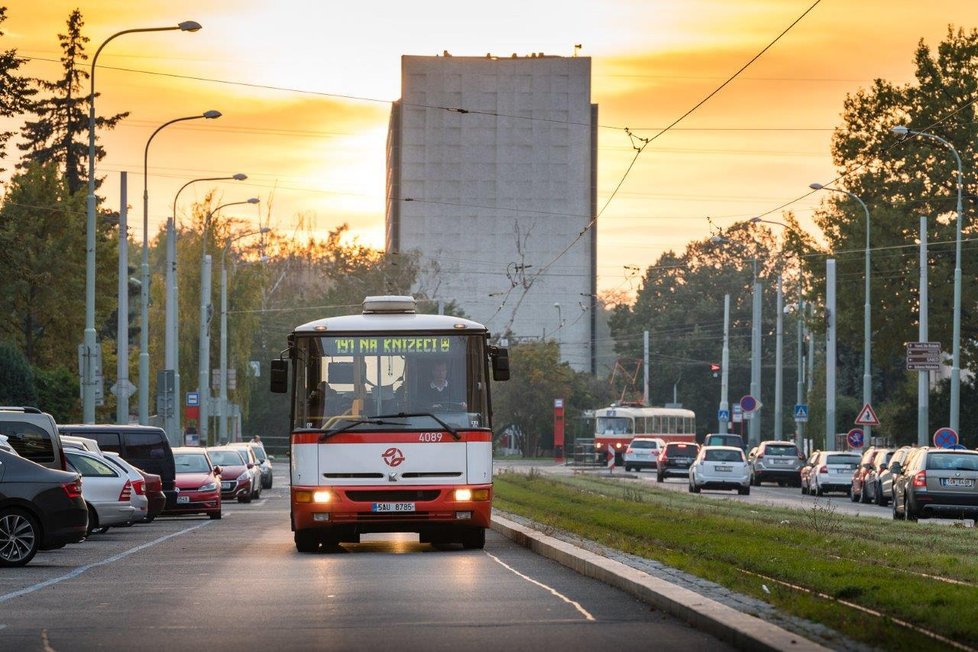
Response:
column 392, row 507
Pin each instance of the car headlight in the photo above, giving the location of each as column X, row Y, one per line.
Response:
column 210, row 486
column 244, row 476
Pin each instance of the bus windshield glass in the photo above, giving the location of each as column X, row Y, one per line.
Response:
column 344, row 381
column 614, row 426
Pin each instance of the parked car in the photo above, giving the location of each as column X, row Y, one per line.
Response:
column 675, row 459
column 720, row 467
column 154, row 494
column 871, row 485
column 775, row 461
column 83, row 443
column 40, row 509
column 867, row 465
column 198, row 483
column 106, row 489
column 5, row 445
column 832, row 471
column 238, row 478
column 643, row 453
column 805, row 473
column 264, row 460
column 251, row 457
column 145, row 447
column 137, row 497
column 885, row 477
column 34, row 435
column 937, row 482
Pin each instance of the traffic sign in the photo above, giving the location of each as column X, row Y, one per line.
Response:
column 945, row 438
column 855, row 438
column 748, row 403
column 738, row 413
column 723, row 415
column 801, row 412
column 867, row 416
column 123, row 388
column 193, row 399
column 923, row 356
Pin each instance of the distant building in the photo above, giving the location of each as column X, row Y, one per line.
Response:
column 491, row 173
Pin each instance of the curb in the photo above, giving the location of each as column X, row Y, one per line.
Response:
column 741, row 630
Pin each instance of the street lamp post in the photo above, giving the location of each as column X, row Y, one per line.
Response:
column 867, row 333
column 223, row 373
column 956, row 327
column 88, row 367
column 204, row 349
column 171, row 351
column 144, row 274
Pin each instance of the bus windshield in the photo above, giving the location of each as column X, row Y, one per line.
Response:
column 614, row 426
column 344, row 380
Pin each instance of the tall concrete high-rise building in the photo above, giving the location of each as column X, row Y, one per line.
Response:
column 491, row 176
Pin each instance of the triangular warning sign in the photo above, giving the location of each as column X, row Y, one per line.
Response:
column 867, row 417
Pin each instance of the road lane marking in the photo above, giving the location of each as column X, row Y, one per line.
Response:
column 81, row 569
column 563, row 597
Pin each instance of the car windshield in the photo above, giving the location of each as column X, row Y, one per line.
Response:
column 226, row 458
column 952, row 462
column 850, row 460
column 191, row 463
column 724, row 456
column 786, row 450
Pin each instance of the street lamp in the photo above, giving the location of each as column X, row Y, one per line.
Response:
column 204, row 342
column 171, row 351
column 144, row 276
column 867, row 336
column 88, row 367
column 956, row 328
column 223, row 379
column 754, row 427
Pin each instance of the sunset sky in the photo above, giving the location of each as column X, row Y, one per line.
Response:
column 305, row 88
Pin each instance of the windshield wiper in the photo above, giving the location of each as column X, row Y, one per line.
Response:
column 403, row 415
column 353, row 423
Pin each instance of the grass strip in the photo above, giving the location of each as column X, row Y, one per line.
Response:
column 858, row 560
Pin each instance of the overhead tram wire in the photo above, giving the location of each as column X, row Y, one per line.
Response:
column 645, row 142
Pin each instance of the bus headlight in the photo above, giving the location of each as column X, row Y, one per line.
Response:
column 321, row 497
column 465, row 495
column 305, row 496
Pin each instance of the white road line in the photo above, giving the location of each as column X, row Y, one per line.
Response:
column 563, row 597
column 81, row 569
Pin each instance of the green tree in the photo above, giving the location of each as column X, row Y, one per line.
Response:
column 15, row 90
column 899, row 180
column 58, row 393
column 16, row 377
column 60, row 132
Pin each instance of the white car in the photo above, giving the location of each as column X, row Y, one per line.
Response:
column 105, row 488
column 720, row 467
column 832, row 471
column 138, row 498
column 643, row 453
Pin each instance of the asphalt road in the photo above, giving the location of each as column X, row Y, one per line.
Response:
column 238, row 583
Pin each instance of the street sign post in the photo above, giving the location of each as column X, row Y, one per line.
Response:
column 193, row 399
column 923, row 356
column 945, row 438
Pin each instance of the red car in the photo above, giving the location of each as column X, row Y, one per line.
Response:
column 198, row 483
column 238, row 479
column 154, row 492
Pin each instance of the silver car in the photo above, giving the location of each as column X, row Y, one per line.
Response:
column 262, row 460
column 885, row 477
column 832, row 471
column 775, row 461
column 643, row 453
column 720, row 467
column 937, row 482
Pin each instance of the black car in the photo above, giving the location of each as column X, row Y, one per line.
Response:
column 40, row 509
column 676, row 458
column 145, row 447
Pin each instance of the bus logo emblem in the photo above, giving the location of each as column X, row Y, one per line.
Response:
column 393, row 457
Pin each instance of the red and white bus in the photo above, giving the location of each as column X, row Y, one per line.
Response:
column 618, row 424
column 373, row 450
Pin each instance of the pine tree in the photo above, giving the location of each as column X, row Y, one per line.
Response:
column 60, row 132
column 15, row 91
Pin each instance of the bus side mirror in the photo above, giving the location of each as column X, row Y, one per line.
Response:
column 500, row 363
column 279, row 376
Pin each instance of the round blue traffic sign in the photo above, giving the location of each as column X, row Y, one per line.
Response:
column 945, row 438
column 748, row 403
column 855, row 438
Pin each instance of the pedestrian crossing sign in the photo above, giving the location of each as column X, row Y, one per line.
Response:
column 801, row 412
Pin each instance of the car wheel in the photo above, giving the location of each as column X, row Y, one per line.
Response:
column 215, row 516
column 853, row 496
column 244, row 499
column 474, row 539
column 627, row 468
column 804, row 489
column 908, row 514
column 92, row 520
column 864, row 497
column 306, row 541
column 19, row 537
column 896, row 515
column 819, row 491
column 695, row 489
column 881, row 500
